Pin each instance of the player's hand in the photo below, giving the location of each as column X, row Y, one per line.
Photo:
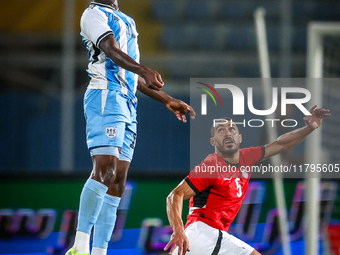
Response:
column 153, row 79
column 314, row 121
column 178, row 240
column 179, row 108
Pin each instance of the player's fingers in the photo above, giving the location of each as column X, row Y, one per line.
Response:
column 320, row 113
column 312, row 109
column 167, row 245
column 192, row 112
column 155, row 86
column 322, row 110
column 325, row 111
column 186, row 246
column 180, row 249
column 184, row 118
column 173, row 248
column 178, row 115
column 159, row 79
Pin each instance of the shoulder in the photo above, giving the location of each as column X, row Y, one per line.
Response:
column 93, row 17
column 250, row 150
column 253, row 154
column 94, row 12
column 132, row 21
column 124, row 15
column 210, row 159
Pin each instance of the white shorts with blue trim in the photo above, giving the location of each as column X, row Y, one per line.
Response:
column 111, row 121
column 206, row 240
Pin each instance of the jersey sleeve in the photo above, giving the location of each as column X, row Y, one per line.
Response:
column 254, row 154
column 94, row 24
column 198, row 184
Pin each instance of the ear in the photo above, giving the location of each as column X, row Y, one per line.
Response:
column 212, row 141
column 240, row 138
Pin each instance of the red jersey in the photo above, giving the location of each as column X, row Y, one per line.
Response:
column 218, row 200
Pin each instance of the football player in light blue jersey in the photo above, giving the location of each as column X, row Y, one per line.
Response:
column 110, row 111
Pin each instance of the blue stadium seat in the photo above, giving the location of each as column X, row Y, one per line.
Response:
column 183, row 69
column 327, row 11
column 198, row 10
column 302, row 10
column 192, row 67
column 273, row 37
column 272, row 8
column 205, row 37
column 241, row 38
column 218, row 70
column 177, row 37
column 299, row 38
column 166, row 10
column 236, row 9
column 247, row 71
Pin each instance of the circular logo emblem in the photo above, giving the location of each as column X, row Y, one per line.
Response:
column 245, row 174
column 111, row 132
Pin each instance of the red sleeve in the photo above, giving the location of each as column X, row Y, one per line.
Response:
column 252, row 155
column 197, row 183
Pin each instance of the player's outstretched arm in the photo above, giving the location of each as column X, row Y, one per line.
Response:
column 178, row 107
column 111, row 48
column 174, row 207
column 293, row 138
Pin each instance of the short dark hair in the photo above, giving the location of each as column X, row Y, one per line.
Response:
column 214, row 128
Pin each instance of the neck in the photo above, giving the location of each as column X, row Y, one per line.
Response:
column 231, row 158
column 113, row 3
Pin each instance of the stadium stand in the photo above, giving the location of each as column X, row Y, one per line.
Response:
column 227, row 27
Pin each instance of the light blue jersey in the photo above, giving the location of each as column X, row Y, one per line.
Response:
column 110, row 102
column 97, row 22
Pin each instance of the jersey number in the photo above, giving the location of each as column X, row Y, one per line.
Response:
column 238, row 187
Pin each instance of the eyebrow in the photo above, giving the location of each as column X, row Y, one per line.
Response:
column 230, row 125
column 220, row 125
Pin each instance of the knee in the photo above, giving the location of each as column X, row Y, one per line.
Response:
column 104, row 168
column 117, row 187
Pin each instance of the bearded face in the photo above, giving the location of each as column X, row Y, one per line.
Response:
column 226, row 138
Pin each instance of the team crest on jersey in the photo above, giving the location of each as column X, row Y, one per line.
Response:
column 111, row 132
column 245, row 174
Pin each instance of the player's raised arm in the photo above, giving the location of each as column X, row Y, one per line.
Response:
column 293, row 138
column 111, row 48
column 174, row 207
column 178, row 107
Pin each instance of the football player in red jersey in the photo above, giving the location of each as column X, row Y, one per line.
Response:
column 214, row 202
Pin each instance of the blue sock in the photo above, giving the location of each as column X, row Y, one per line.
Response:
column 106, row 222
column 91, row 201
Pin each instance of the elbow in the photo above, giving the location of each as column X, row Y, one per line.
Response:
column 174, row 195
column 170, row 198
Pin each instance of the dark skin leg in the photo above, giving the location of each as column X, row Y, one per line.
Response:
column 111, row 172
column 117, row 187
column 104, row 169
